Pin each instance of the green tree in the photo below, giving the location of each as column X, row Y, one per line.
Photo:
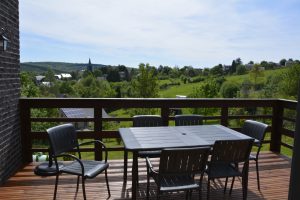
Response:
column 28, row 88
column 217, row 70
column 145, row 85
column 291, row 77
column 49, row 76
column 240, row 70
column 229, row 89
column 255, row 73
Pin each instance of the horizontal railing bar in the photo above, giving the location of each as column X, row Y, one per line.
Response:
column 287, row 145
column 144, row 103
column 289, row 119
column 288, row 132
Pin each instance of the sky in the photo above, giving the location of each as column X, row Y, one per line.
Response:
column 198, row 33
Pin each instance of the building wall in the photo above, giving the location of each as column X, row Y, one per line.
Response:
column 10, row 137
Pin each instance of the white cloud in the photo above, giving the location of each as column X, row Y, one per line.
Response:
column 190, row 32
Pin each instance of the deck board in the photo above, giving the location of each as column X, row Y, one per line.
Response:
column 274, row 177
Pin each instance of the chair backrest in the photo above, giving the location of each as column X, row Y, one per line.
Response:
column 255, row 129
column 188, row 120
column 231, row 151
column 178, row 161
column 63, row 138
column 147, row 120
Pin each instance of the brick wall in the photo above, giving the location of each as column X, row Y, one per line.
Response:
column 10, row 139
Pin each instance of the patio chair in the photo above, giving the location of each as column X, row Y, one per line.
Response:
column 177, row 170
column 188, row 120
column 225, row 158
column 144, row 121
column 63, row 138
column 256, row 130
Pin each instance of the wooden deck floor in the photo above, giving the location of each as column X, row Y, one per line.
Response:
column 274, row 173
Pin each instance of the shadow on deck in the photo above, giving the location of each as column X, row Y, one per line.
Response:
column 274, row 177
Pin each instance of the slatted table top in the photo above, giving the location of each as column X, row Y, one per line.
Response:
column 154, row 138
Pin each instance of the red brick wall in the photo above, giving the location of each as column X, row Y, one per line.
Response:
column 10, row 139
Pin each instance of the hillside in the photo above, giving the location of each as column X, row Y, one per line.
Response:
column 57, row 67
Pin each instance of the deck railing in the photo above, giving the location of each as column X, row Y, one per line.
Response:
column 276, row 112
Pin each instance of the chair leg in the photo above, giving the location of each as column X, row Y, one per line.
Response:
column 148, row 184
column 55, row 188
column 200, row 187
column 225, row 185
column 83, row 188
column 125, row 164
column 107, row 184
column 77, row 186
column 257, row 174
column 233, row 178
column 208, row 188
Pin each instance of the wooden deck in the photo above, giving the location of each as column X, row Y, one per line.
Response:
column 274, row 176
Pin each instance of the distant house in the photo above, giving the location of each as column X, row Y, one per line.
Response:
column 63, row 76
column 39, row 79
column 249, row 66
column 80, row 113
column 226, row 68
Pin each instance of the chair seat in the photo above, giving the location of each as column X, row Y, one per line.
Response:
column 91, row 168
column 149, row 154
column 223, row 170
column 175, row 183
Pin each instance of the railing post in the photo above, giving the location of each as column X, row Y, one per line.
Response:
column 224, row 116
column 98, row 131
column 277, row 117
column 25, row 132
column 165, row 116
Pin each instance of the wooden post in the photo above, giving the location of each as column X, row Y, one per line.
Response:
column 276, row 127
column 25, row 133
column 98, row 132
column 224, row 116
column 294, row 192
column 165, row 116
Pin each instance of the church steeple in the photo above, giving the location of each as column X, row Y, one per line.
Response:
column 90, row 67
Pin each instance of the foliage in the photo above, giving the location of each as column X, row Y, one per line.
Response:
column 241, row 69
column 145, row 85
column 229, row 89
column 290, row 81
column 90, row 87
column 256, row 72
column 28, row 87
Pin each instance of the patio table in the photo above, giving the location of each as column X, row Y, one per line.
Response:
column 156, row 138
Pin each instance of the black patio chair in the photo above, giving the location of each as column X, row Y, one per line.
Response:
column 188, row 120
column 225, row 158
column 177, row 170
column 256, row 130
column 63, row 139
column 144, row 121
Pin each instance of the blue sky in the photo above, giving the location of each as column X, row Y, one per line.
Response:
column 200, row 33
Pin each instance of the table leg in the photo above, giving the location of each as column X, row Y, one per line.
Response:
column 134, row 174
column 125, row 164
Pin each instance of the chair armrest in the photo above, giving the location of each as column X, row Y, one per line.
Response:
column 96, row 142
column 150, row 168
column 72, row 156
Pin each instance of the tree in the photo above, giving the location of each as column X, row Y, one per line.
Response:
column 291, row 80
column 28, row 88
column 240, row 70
column 229, row 89
column 256, row 72
column 49, row 76
column 282, row 62
column 113, row 75
column 145, row 85
column 217, row 70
